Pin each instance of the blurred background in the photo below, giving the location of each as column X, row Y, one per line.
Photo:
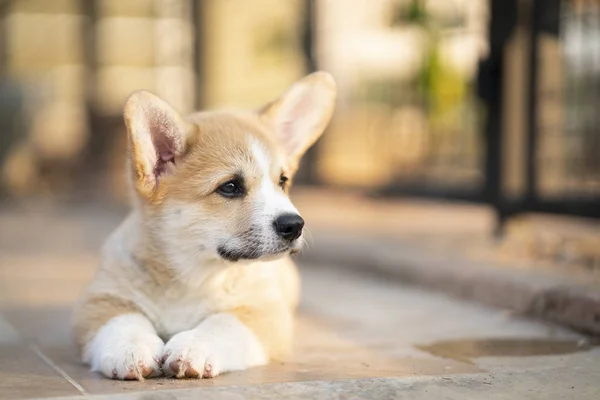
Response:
column 491, row 102
column 481, row 100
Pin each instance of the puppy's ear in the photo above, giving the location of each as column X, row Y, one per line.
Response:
column 301, row 114
column 157, row 137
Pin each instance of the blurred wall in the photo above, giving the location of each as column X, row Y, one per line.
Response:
column 251, row 50
column 73, row 63
column 405, row 70
column 68, row 66
column 407, row 108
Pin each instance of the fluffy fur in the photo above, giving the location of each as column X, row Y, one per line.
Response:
column 195, row 282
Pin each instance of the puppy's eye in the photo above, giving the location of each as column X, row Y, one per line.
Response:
column 231, row 189
column 282, row 181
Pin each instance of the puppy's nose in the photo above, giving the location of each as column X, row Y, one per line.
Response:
column 289, row 226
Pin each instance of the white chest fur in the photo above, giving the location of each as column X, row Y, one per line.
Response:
column 179, row 317
column 179, row 307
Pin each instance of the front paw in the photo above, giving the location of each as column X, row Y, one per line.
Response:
column 132, row 360
column 190, row 354
column 125, row 354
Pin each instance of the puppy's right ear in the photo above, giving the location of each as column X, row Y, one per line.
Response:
column 157, row 137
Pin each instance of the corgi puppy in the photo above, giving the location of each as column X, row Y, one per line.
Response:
column 197, row 280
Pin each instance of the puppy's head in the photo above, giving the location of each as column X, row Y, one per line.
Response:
column 215, row 184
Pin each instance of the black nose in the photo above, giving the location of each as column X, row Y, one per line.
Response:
column 289, row 226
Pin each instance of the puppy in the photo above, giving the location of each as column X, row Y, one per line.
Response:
column 197, row 280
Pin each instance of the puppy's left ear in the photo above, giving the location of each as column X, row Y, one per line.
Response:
column 301, row 114
column 158, row 137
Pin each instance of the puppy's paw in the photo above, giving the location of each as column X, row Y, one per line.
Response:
column 122, row 350
column 137, row 359
column 220, row 344
column 190, row 354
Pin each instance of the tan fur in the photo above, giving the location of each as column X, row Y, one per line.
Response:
column 272, row 325
column 149, row 263
column 95, row 311
column 165, row 119
column 326, row 89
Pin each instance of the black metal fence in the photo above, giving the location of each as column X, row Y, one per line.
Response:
column 555, row 168
column 562, row 123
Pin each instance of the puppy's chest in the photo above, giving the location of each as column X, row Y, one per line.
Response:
column 177, row 311
column 181, row 308
column 176, row 315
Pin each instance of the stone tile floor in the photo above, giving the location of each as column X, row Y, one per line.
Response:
column 357, row 336
column 351, row 329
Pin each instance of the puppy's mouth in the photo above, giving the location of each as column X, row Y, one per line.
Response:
column 248, row 253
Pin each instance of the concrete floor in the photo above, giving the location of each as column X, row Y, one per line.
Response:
column 358, row 337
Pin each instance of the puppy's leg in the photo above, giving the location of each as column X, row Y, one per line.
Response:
column 116, row 339
column 226, row 342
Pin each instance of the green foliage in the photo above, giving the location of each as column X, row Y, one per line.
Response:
column 444, row 87
column 412, row 13
column 276, row 39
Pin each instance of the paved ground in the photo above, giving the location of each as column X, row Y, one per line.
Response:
column 544, row 266
column 358, row 336
column 562, row 246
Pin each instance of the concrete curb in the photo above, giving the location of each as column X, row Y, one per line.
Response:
column 534, row 293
